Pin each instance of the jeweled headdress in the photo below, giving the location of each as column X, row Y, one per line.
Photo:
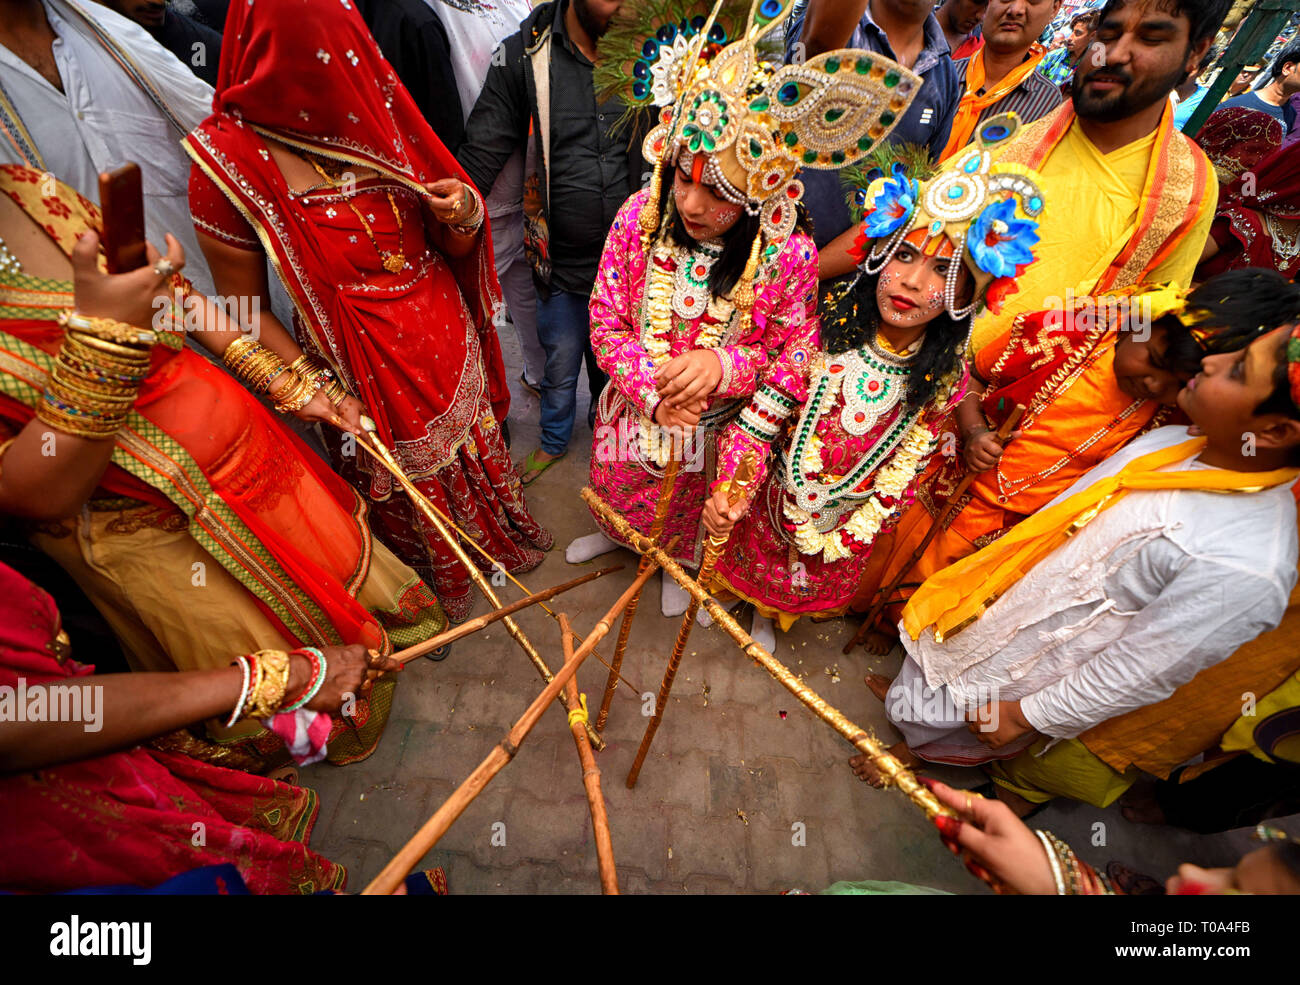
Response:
column 756, row 122
column 982, row 211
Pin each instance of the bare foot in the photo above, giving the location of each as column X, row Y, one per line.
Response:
column 879, row 643
column 864, row 769
column 879, row 684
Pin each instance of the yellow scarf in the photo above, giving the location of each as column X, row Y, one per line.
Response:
column 972, row 105
column 959, row 594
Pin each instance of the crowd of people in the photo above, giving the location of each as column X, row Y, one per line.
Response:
column 1008, row 358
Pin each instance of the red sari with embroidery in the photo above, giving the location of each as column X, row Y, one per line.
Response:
column 130, row 818
column 417, row 345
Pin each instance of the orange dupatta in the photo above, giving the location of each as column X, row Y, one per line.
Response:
column 973, row 102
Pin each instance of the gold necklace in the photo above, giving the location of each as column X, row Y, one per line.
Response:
column 393, row 262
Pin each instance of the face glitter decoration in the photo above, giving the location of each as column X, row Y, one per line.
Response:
column 911, row 288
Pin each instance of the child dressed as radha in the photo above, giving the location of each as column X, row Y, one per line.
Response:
column 892, row 366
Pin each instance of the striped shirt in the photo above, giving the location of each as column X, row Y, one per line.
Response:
column 1036, row 96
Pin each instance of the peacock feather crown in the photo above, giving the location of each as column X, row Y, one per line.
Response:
column 756, row 122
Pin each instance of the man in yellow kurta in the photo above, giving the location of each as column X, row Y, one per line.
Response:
column 1132, row 198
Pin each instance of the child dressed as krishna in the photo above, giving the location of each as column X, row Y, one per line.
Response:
column 704, row 308
column 892, row 366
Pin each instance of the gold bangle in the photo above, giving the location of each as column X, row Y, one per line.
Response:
column 294, row 395
column 132, row 361
column 336, row 391
column 109, row 329
column 266, row 695
column 95, row 427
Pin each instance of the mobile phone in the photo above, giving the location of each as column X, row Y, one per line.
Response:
column 121, row 197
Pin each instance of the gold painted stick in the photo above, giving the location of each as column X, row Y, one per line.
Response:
column 746, row 472
column 405, row 860
column 666, row 486
column 471, row 626
column 385, row 457
column 890, row 768
column 590, row 776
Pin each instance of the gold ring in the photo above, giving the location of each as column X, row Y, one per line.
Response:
column 164, row 268
column 968, row 802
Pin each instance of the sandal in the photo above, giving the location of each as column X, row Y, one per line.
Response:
column 533, row 388
column 533, row 468
column 440, row 653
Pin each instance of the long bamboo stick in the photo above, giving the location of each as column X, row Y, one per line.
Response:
column 590, row 777
column 370, row 441
column 746, row 472
column 471, row 626
column 666, row 486
column 405, row 860
column 890, row 768
column 950, row 510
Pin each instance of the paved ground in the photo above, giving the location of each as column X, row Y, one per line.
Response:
column 744, row 790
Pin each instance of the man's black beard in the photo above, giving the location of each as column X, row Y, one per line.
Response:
column 1129, row 101
column 594, row 29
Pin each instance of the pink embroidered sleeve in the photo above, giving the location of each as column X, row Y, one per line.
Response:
column 615, row 298
column 774, row 368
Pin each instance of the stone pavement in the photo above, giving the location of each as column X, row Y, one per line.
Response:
column 743, row 791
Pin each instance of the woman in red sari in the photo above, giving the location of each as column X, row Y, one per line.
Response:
column 316, row 156
column 1257, row 220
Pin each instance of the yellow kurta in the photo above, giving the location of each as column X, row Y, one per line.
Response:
column 1092, row 211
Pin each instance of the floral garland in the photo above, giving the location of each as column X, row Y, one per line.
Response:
column 675, row 278
column 891, row 481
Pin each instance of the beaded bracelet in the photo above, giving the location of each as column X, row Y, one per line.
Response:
column 319, row 667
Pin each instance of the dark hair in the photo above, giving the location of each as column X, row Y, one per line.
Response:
column 850, row 315
column 1088, row 16
column 1288, row 55
column 736, row 241
column 1279, row 400
column 1204, row 17
column 1238, row 306
column 1288, row 853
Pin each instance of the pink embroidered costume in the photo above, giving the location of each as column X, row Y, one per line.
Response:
column 743, row 128
column 772, row 358
column 852, row 460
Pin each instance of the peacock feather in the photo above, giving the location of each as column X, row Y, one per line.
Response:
column 855, row 178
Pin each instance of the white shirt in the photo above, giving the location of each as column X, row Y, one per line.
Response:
column 1153, row 590
column 474, row 32
column 103, row 119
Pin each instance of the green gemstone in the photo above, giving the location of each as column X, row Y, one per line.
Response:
column 833, row 114
column 887, row 118
column 863, row 66
column 760, row 104
column 755, row 148
column 864, row 144
column 832, row 66
column 837, row 157
column 892, row 79
column 810, row 157
column 791, row 139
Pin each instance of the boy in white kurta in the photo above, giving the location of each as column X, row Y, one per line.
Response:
column 1193, row 555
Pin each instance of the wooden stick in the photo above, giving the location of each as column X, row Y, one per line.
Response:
column 950, row 510
column 372, row 444
column 666, row 486
column 472, row 626
column 890, row 768
column 590, row 776
column 405, row 860
column 746, row 472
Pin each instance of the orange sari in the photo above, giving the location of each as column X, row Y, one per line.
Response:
column 288, row 535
